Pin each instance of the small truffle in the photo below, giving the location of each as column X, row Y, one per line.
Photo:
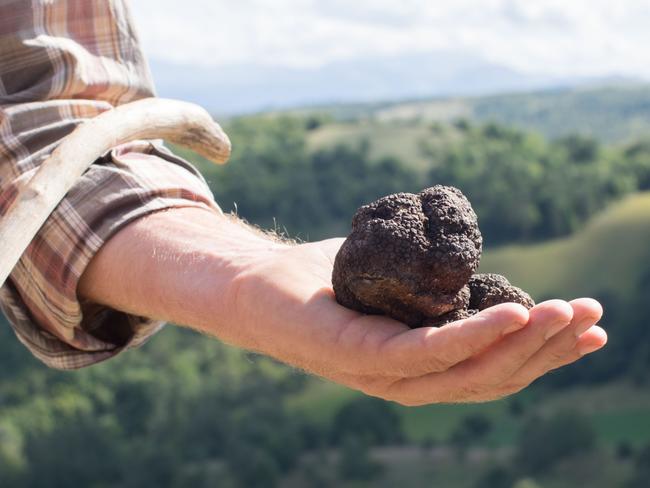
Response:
column 488, row 290
column 410, row 256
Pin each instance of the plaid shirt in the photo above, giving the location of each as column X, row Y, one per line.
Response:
column 63, row 62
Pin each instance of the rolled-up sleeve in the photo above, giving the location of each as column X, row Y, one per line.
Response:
column 40, row 297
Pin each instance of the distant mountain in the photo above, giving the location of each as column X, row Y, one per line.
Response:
column 247, row 88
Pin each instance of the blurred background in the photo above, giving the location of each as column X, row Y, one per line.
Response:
column 538, row 111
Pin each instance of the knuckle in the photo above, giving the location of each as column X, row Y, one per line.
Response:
column 557, row 357
column 563, row 360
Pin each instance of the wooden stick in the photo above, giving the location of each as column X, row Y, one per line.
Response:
column 182, row 123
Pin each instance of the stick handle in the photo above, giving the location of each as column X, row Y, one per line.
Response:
column 182, row 123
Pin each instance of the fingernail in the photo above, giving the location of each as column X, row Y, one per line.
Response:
column 588, row 349
column 513, row 328
column 555, row 328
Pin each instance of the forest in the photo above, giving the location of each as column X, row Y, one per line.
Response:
column 185, row 410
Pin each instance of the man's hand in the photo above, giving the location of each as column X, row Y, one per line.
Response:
column 211, row 273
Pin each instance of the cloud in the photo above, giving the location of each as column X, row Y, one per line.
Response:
column 556, row 37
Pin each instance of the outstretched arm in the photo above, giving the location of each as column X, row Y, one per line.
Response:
column 215, row 274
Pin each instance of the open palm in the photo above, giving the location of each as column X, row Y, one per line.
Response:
column 493, row 354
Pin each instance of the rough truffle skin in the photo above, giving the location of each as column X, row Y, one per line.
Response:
column 410, row 256
column 488, row 290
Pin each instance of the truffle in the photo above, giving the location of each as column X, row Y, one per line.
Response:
column 488, row 290
column 412, row 256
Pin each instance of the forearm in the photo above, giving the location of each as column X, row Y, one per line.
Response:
column 179, row 265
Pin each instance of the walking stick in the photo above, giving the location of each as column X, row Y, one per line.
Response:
column 182, row 123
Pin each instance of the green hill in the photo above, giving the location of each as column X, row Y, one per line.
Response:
column 610, row 255
column 610, row 113
column 397, row 139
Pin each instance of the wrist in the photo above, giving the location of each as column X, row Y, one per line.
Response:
column 226, row 278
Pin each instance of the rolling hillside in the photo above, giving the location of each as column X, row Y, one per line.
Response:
column 609, row 255
column 613, row 113
column 617, row 114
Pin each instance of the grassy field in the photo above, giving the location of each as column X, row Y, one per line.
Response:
column 397, row 140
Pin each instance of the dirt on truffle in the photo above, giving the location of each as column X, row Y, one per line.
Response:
column 413, row 257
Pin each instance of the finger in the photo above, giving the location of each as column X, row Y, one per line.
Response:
column 592, row 340
column 480, row 375
column 501, row 362
column 430, row 349
column 449, row 387
column 561, row 349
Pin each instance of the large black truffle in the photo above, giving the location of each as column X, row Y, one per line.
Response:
column 411, row 257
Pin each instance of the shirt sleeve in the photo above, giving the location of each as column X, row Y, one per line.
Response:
column 40, row 297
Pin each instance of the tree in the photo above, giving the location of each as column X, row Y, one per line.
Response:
column 354, row 460
column 525, row 188
column 543, row 442
column 580, row 149
column 373, row 420
column 471, row 430
column 641, row 478
column 496, row 477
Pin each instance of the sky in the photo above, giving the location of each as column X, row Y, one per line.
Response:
column 553, row 37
